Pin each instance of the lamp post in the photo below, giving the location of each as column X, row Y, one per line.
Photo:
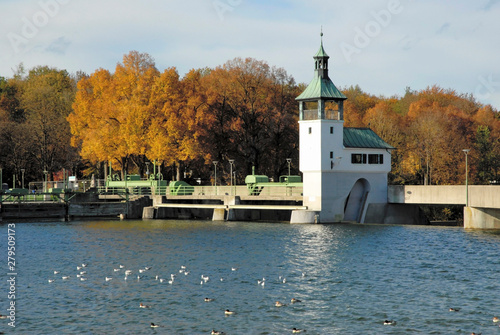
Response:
column 45, row 183
column 147, row 170
column 231, row 162
column 22, row 178
column 466, row 152
column 289, row 161
column 215, row 175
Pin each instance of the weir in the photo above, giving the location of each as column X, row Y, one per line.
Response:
column 236, row 203
column 483, row 211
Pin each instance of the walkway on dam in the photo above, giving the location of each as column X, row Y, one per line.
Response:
column 482, row 202
column 481, row 196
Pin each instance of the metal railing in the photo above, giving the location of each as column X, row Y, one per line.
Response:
column 61, row 195
column 242, row 190
column 330, row 114
column 32, row 197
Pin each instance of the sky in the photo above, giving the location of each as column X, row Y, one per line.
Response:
column 384, row 46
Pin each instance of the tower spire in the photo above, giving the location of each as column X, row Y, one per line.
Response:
column 321, row 60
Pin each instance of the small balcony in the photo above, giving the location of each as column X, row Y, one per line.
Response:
column 330, row 114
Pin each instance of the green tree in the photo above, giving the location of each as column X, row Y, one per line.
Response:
column 488, row 161
column 47, row 95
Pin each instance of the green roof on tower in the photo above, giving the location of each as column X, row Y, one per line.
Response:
column 321, row 87
column 321, row 52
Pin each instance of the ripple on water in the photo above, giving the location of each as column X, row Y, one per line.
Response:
column 355, row 277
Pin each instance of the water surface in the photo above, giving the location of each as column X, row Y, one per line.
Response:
column 349, row 278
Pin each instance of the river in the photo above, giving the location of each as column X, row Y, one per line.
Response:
column 349, row 278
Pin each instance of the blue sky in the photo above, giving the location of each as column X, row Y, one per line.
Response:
column 383, row 46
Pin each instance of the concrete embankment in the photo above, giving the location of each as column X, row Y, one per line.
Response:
column 231, row 208
column 80, row 205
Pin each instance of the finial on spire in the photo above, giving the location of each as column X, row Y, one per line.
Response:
column 321, row 34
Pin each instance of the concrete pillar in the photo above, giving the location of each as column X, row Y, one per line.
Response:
column 148, row 213
column 481, row 218
column 304, row 216
column 231, row 200
column 219, row 214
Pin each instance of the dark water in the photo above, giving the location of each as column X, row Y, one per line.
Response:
column 349, row 278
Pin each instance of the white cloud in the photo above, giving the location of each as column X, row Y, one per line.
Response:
column 448, row 43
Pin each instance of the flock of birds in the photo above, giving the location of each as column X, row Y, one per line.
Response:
column 140, row 274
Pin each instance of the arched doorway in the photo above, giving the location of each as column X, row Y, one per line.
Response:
column 356, row 200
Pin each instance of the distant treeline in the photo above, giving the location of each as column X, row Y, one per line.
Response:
column 244, row 110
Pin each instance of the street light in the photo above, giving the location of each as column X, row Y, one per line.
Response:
column 22, row 178
column 45, row 183
column 231, row 162
column 147, row 170
column 289, row 161
column 466, row 152
column 215, row 173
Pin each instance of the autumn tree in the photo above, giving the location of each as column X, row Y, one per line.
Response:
column 110, row 113
column 47, row 95
column 390, row 126
column 357, row 104
column 254, row 115
column 176, row 125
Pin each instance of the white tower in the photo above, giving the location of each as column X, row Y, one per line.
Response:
column 344, row 169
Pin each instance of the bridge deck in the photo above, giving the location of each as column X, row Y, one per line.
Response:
column 481, row 196
column 227, row 207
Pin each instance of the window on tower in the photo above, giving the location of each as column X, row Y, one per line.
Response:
column 331, row 110
column 375, row 159
column 358, row 158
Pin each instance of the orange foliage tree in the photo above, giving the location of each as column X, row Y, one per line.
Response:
column 253, row 115
column 245, row 110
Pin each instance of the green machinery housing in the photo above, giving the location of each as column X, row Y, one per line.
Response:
column 135, row 184
column 257, row 183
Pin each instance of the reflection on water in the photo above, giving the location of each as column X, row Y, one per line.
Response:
column 349, row 278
